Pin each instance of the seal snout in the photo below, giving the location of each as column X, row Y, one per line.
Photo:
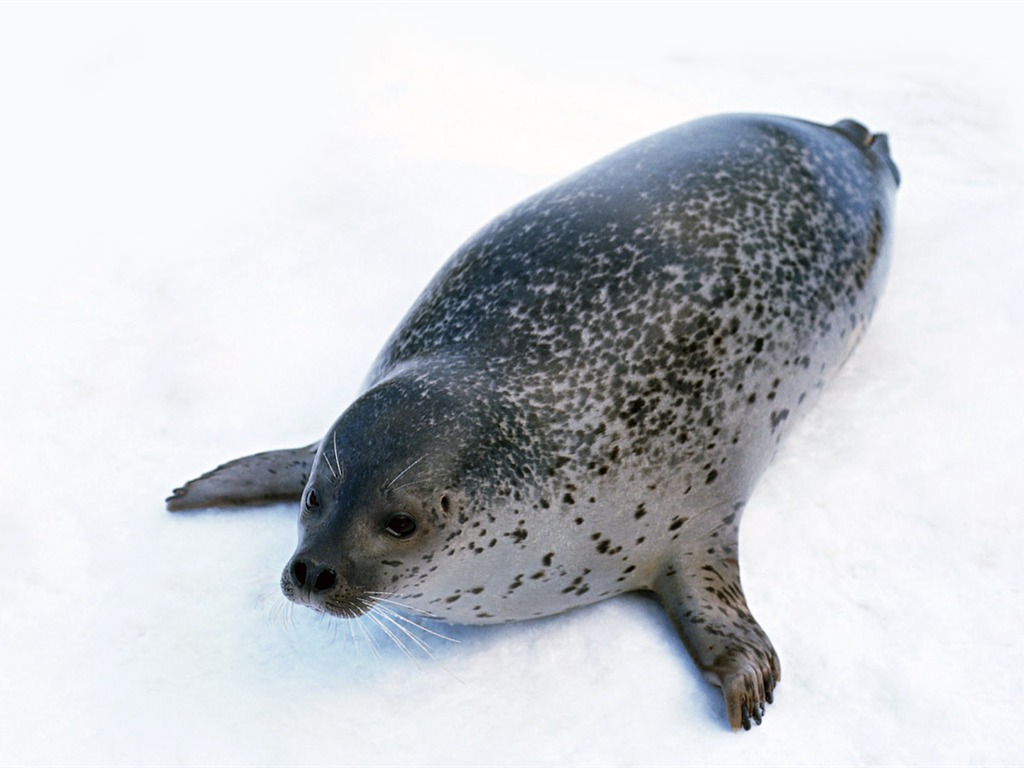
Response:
column 312, row 576
column 320, row 586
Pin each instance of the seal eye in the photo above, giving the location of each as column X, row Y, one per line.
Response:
column 401, row 526
column 312, row 500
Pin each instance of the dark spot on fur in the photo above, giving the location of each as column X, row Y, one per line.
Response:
column 779, row 417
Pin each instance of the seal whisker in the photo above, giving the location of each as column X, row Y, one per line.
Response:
column 368, row 636
column 280, row 613
column 321, row 618
column 393, row 637
column 394, row 614
column 383, row 614
column 334, row 440
column 388, row 486
column 277, row 608
column 412, row 483
column 327, row 461
column 352, row 632
column 390, row 600
column 283, row 612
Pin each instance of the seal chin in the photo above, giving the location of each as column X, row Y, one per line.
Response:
column 319, row 587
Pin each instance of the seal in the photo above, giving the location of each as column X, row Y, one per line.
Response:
column 583, row 399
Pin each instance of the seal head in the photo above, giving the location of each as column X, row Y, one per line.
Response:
column 386, row 520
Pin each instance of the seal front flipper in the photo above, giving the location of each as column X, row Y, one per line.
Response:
column 263, row 478
column 704, row 598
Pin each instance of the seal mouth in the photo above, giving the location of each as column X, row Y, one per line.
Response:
column 352, row 609
column 343, row 606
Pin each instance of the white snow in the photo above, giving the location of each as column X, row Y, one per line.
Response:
column 212, row 216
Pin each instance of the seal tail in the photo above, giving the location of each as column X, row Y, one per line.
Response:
column 264, row 478
column 876, row 143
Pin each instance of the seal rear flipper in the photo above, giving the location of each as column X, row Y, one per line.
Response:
column 705, row 602
column 876, row 143
column 263, row 478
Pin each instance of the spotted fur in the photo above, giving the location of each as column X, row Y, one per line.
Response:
column 583, row 399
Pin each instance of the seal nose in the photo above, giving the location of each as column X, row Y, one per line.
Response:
column 312, row 576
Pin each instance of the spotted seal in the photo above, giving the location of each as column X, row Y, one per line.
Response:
column 582, row 400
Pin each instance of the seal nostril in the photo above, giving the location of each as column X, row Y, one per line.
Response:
column 325, row 580
column 299, row 572
column 313, row 577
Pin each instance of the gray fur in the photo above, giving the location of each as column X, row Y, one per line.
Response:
column 581, row 402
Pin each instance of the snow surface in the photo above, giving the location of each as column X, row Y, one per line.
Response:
column 211, row 217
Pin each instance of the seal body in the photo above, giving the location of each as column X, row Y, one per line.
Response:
column 582, row 401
